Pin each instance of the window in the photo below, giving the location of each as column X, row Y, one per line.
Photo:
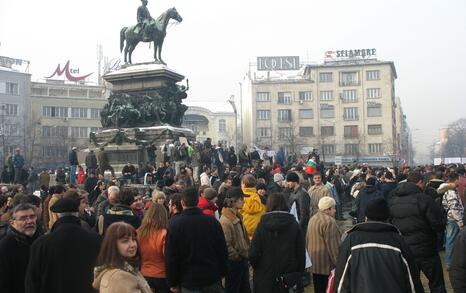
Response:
column 10, row 109
column 349, row 96
column 264, row 132
column 375, row 148
column 284, row 115
column 284, row 98
column 262, row 96
column 306, row 114
column 326, row 77
column 11, row 88
column 373, row 93
column 350, row 113
column 305, row 96
column 328, row 149
column 95, row 113
column 263, row 114
column 54, row 151
column 284, row 132
column 374, row 109
column 349, row 78
column 372, row 75
column 222, row 125
column 351, row 149
column 79, row 112
column 11, row 129
column 327, row 131
column 374, row 129
column 326, row 95
column 51, row 111
column 327, row 111
column 80, row 132
column 350, row 131
column 306, row 131
column 55, row 131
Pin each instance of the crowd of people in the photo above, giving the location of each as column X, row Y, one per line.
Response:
column 221, row 221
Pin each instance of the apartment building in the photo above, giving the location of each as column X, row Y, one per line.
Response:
column 62, row 115
column 345, row 108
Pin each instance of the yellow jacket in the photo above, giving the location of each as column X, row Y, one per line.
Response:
column 252, row 210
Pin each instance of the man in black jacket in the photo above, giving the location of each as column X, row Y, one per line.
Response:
column 376, row 244
column 73, row 160
column 14, row 248
column 64, row 259
column 196, row 253
column 419, row 219
column 299, row 196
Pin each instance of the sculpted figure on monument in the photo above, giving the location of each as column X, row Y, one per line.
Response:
column 152, row 31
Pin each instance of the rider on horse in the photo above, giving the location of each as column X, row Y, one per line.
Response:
column 144, row 19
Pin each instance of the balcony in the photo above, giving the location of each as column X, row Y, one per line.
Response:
column 350, row 83
column 351, row 117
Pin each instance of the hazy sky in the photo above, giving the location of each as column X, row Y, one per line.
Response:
column 217, row 39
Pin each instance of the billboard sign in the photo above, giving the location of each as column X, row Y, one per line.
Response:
column 68, row 73
column 350, row 54
column 276, row 63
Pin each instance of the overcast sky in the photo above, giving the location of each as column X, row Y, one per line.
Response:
column 217, row 39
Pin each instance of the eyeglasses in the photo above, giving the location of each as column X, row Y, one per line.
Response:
column 25, row 218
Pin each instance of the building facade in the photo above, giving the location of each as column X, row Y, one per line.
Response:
column 217, row 123
column 14, row 93
column 62, row 115
column 345, row 109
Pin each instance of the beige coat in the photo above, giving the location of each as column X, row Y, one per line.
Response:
column 235, row 234
column 323, row 242
column 316, row 193
column 120, row 281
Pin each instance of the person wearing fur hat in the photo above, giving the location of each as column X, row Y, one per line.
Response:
column 376, row 244
column 323, row 241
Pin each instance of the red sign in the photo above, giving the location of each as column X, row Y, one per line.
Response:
column 68, row 72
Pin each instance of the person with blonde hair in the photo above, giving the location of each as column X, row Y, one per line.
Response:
column 118, row 262
column 151, row 236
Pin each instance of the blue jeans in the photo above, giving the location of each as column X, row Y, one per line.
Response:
column 73, row 174
column 451, row 231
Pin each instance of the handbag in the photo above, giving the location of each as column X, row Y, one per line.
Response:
column 291, row 283
column 331, row 282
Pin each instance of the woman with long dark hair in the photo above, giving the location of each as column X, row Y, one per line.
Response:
column 117, row 268
column 151, row 236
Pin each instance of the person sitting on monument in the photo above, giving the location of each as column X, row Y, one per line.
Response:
column 129, row 172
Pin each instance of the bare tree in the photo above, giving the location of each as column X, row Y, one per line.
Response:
column 456, row 139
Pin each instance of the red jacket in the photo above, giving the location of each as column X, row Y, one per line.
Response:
column 207, row 207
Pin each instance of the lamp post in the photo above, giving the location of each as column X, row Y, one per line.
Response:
column 231, row 100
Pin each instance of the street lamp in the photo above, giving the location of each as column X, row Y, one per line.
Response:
column 231, row 100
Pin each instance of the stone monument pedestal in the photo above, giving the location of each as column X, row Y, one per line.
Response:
column 144, row 108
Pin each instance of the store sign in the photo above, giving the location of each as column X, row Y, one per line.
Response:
column 69, row 73
column 278, row 63
column 350, row 54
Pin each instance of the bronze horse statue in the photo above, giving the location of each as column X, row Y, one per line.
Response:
column 156, row 31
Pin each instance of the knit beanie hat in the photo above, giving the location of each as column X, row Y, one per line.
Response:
column 378, row 210
column 292, row 177
column 210, row 193
column 326, row 202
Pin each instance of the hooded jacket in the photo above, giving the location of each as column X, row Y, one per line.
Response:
column 276, row 249
column 366, row 195
column 417, row 217
column 252, row 210
column 451, row 202
column 376, row 245
column 126, row 280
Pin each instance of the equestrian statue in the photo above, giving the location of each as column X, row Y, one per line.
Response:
column 147, row 30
